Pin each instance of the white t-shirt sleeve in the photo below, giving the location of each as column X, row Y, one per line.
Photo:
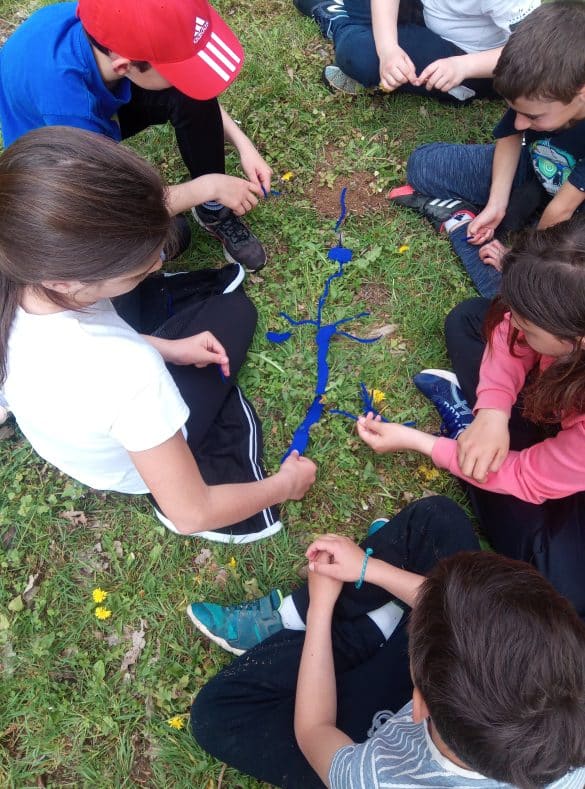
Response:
column 507, row 15
column 151, row 415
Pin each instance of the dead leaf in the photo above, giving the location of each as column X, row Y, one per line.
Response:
column 138, row 644
column 221, row 577
column 202, row 557
column 387, row 330
column 76, row 517
column 118, row 549
column 8, row 537
column 221, row 775
column 290, row 72
column 30, row 589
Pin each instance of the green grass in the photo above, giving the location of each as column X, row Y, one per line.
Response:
column 68, row 717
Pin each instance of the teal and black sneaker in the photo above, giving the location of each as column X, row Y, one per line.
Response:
column 238, row 628
column 441, row 387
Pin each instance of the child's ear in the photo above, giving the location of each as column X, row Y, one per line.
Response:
column 420, row 711
column 66, row 288
column 120, row 65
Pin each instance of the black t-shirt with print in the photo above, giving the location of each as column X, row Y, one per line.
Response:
column 556, row 156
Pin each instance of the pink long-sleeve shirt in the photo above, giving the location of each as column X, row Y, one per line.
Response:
column 551, row 469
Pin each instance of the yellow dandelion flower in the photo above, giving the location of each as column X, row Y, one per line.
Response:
column 232, row 563
column 99, row 595
column 288, row 176
column 404, row 248
column 378, row 397
column 102, row 613
column 176, row 722
column 428, row 474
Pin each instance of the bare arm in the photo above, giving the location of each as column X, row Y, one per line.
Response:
column 446, row 73
column 506, row 158
column 171, row 474
column 396, row 67
column 563, row 205
column 255, row 167
column 316, row 700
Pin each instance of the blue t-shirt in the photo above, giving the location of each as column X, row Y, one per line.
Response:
column 49, row 77
column 556, row 156
column 401, row 753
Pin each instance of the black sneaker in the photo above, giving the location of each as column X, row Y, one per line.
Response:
column 434, row 209
column 326, row 13
column 240, row 245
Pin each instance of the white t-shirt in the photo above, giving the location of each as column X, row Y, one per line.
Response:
column 476, row 25
column 85, row 389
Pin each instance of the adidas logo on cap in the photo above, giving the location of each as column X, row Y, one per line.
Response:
column 201, row 26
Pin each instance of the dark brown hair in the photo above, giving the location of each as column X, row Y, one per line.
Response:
column 499, row 658
column 73, row 206
column 543, row 281
column 543, row 58
column 141, row 65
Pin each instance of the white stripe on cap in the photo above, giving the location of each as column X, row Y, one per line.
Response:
column 212, row 49
column 213, row 65
column 225, row 47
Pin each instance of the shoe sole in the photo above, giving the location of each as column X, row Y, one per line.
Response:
column 447, row 375
column 226, row 254
column 214, row 536
column 334, row 89
column 221, row 642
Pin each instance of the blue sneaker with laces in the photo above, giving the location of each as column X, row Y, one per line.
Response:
column 326, row 13
column 441, row 387
column 237, row 628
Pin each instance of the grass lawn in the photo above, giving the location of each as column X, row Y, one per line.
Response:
column 75, row 710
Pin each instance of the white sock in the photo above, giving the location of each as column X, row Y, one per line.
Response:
column 291, row 619
column 457, row 220
column 387, row 618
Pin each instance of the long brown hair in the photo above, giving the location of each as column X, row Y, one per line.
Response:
column 73, row 206
column 543, row 281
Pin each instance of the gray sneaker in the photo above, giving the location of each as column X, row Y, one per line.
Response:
column 336, row 80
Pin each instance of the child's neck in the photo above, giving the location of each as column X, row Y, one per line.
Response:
column 36, row 303
column 105, row 68
column 443, row 749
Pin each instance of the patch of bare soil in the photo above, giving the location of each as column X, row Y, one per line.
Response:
column 324, row 190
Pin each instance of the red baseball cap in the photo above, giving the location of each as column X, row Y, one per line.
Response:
column 184, row 40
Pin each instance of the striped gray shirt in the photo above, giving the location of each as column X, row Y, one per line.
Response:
column 402, row 754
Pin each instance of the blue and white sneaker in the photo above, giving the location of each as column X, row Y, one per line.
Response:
column 326, row 13
column 237, row 628
column 441, row 387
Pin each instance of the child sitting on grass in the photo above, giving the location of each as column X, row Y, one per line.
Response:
column 497, row 658
column 521, row 452
column 536, row 167
column 84, row 220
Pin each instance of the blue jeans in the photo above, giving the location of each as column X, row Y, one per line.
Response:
column 444, row 170
column 356, row 56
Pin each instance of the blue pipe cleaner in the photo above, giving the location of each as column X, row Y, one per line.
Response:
column 323, row 336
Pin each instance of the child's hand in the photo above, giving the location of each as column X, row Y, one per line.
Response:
column 492, row 254
column 485, row 444
column 481, row 229
column 324, row 589
column 396, row 68
column 299, row 474
column 256, row 168
column 345, row 560
column 200, row 350
column 383, row 436
column 235, row 193
column 442, row 74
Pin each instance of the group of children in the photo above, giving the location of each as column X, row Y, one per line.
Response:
column 487, row 688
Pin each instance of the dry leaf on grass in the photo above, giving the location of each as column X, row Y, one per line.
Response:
column 138, row 644
column 76, row 517
column 387, row 330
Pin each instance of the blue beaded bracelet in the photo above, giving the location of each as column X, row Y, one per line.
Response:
column 359, row 584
